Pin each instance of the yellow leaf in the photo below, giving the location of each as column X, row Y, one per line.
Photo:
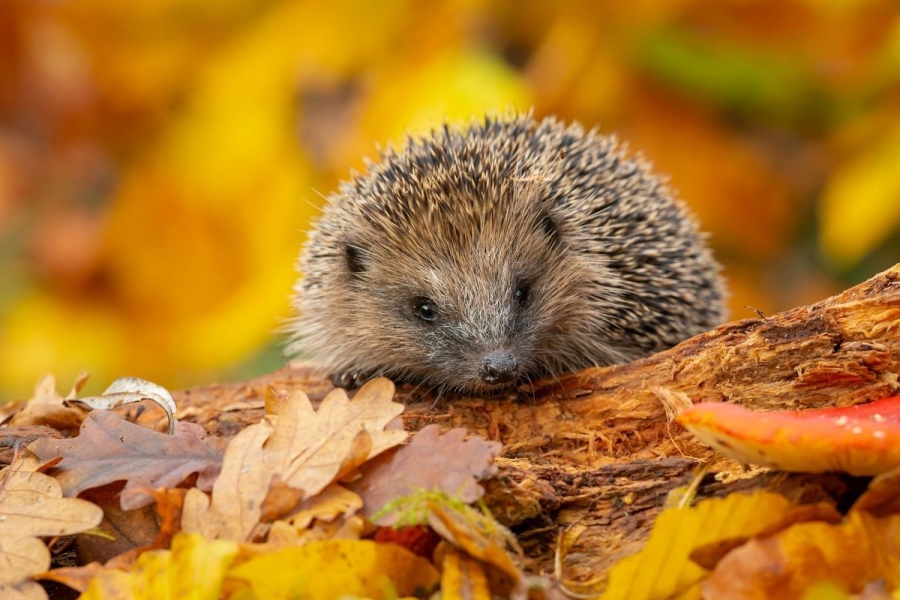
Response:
column 333, row 568
column 663, row 567
column 192, row 570
column 463, row 577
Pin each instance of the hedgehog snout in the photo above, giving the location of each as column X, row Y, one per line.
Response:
column 498, row 367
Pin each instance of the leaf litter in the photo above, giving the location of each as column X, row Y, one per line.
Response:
column 306, row 486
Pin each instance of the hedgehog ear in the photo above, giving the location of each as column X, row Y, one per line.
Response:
column 549, row 228
column 355, row 259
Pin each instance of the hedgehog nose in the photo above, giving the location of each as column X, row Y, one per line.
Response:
column 498, row 367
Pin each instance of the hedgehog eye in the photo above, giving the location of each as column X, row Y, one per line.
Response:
column 354, row 259
column 424, row 309
column 521, row 294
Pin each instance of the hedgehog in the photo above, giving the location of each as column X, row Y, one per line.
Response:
column 476, row 258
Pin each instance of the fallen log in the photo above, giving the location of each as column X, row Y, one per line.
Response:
column 598, row 447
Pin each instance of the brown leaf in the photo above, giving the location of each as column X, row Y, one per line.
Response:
column 283, row 534
column 76, row 578
column 280, row 500
column 110, row 448
column 882, row 497
column 21, row 557
column 446, row 462
column 238, row 493
column 31, row 505
column 48, row 407
column 309, row 447
column 305, row 448
column 26, row 590
column 332, row 502
column 168, row 509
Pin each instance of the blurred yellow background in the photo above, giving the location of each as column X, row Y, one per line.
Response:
column 160, row 159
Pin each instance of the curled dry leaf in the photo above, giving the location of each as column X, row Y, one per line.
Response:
column 448, row 462
column 860, row 440
column 109, row 448
column 128, row 390
column 306, row 448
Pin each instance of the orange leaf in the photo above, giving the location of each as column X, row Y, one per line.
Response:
column 860, row 440
column 859, row 550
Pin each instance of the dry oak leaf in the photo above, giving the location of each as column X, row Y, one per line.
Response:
column 860, row 440
column 193, row 569
column 309, row 447
column 31, row 505
column 336, row 568
column 109, row 448
column 48, row 407
column 306, row 449
column 448, row 462
column 333, row 502
column 283, row 535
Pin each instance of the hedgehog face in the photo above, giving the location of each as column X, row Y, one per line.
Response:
column 464, row 310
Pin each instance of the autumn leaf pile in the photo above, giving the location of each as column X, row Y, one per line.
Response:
column 299, row 505
column 159, row 159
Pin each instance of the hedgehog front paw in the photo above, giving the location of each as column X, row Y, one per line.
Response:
column 350, row 379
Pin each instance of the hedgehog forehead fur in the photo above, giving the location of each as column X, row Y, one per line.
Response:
column 532, row 239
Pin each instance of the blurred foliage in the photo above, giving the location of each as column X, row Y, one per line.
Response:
column 159, row 159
